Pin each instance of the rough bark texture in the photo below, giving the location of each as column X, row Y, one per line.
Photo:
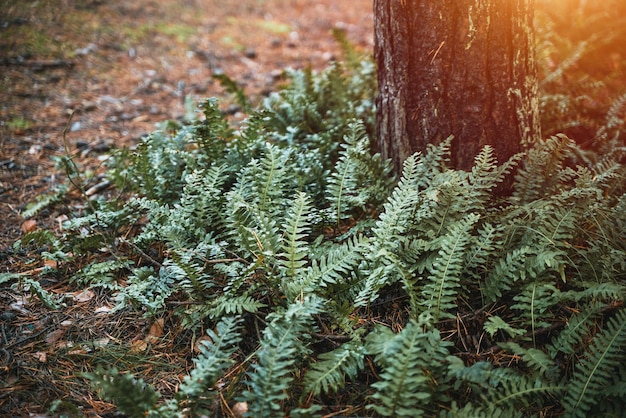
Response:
column 455, row 67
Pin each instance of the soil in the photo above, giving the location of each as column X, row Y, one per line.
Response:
column 81, row 77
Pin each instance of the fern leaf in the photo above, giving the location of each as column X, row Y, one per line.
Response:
column 336, row 263
column 214, row 359
column 507, row 269
column 482, row 411
column 540, row 170
column 524, row 390
column 329, row 374
column 229, row 304
column 359, row 178
column 578, row 328
column 295, row 247
column 441, row 290
column 536, row 359
column 412, row 362
column 495, row 324
column 534, row 303
column 594, row 372
column 400, row 205
column 132, row 396
column 282, row 345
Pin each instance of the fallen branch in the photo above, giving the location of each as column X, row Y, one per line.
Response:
column 37, row 65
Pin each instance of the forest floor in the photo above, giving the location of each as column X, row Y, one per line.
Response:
column 81, row 77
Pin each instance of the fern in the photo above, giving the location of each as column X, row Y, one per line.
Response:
column 146, row 289
column 594, row 372
column 359, row 179
column 442, row 287
column 295, row 248
column 578, row 328
column 504, row 388
column 541, row 169
column 283, row 344
column 101, row 274
column 215, row 358
column 132, row 396
column 330, row 372
column 412, row 363
column 482, row 411
column 335, row 264
column 229, row 304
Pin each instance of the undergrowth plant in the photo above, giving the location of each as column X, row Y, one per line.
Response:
column 318, row 276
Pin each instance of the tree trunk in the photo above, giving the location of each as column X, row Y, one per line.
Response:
column 455, row 67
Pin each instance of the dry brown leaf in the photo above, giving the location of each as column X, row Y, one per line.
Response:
column 28, row 226
column 102, row 310
column 240, row 408
column 41, row 356
column 156, row 331
column 54, row 336
column 138, row 346
column 50, row 263
column 83, row 295
column 197, row 345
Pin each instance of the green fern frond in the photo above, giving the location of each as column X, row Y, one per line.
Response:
column 330, row 372
column 524, row 391
column 400, row 205
column 148, row 289
column 470, row 410
column 102, row 273
column 214, row 359
column 131, row 396
column 482, row 250
column 441, row 289
column 594, row 373
column 485, row 176
column 503, row 387
column 578, row 328
column 295, row 247
column 200, row 209
column 335, row 264
column 432, row 163
column 495, row 324
column 359, row 178
column 283, row 344
column 229, row 304
column 533, row 304
column 253, row 230
column 413, row 362
column 536, row 359
column 540, row 170
column 212, row 134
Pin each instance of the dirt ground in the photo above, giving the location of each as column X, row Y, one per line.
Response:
column 107, row 71
column 80, row 77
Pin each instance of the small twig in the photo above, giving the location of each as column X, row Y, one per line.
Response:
column 37, row 65
column 331, row 337
column 141, row 253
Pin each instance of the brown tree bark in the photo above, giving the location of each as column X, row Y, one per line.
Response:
column 455, row 67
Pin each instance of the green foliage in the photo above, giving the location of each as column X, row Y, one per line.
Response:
column 216, row 356
column 414, row 369
column 423, row 296
column 282, row 346
column 133, row 397
column 329, row 373
column 594, row 374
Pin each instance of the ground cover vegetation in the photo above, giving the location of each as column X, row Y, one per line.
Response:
column 312, row 282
